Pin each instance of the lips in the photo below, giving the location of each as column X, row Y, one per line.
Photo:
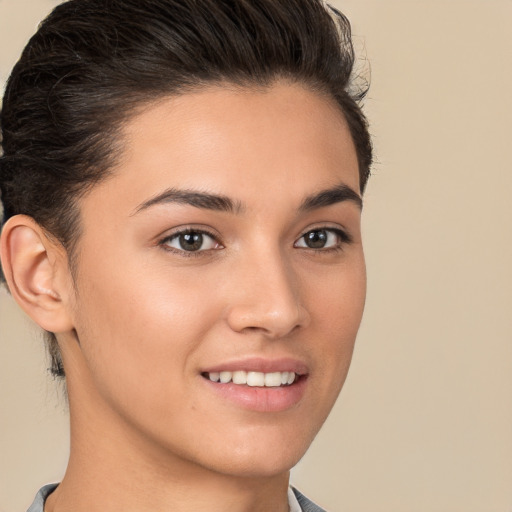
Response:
column 259, row 384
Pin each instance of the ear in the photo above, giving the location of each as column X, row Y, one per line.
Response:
column 37, row 273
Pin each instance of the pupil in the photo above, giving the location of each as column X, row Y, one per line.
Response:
column 191, row 241
column 316, row 239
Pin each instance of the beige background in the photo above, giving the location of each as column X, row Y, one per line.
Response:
column 425, row 420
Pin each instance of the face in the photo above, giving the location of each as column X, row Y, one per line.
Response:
column 221, row 278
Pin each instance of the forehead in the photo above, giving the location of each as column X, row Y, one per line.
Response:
column 240, row 142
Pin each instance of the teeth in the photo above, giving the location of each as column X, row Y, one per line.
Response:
column 254, row 379
column 214, row 376
column 225, row 377
column 273, row 379
column 239, row 377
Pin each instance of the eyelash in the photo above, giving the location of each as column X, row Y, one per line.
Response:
column 187, row 254
column 343, row 237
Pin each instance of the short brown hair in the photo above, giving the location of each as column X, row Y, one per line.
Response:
column 92, row 62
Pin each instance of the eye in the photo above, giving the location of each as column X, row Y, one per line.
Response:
column 324, row 238
column 191, row 241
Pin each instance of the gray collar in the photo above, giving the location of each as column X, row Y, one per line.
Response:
column 38, row 504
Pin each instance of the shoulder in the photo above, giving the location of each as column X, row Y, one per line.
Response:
column 305, row 504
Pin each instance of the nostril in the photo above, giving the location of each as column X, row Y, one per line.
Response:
column 270, row 322
column 267, row 298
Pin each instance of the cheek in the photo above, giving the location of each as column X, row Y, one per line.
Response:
column 138, row 334
column 337, row 305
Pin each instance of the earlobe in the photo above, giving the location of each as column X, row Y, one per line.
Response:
column 33, row 266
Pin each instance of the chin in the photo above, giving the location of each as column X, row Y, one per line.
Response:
column 258, row 466
column 261, row 457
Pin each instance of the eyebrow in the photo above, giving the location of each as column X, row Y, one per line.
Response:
column 195, row 198
column 208, row 201
column 330, row 196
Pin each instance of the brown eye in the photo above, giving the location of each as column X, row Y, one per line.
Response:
column 316, row 239
column 191, row 241
column 323, row 239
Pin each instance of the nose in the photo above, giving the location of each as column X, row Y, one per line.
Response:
column 267, row 298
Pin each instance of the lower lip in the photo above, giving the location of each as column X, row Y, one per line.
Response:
column 261, row 399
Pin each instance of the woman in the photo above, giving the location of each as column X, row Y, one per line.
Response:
column 182, row 187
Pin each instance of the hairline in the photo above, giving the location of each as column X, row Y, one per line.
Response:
column 119, row 141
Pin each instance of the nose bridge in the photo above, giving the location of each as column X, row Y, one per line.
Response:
column 268, row 296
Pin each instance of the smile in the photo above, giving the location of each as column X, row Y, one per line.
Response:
column 253, row 379
column 259, row 384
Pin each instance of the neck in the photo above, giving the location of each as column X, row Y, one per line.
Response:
column 113, row 467
column 109, row 487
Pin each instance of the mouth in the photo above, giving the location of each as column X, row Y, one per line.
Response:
column 259, row 385
column 253, row 379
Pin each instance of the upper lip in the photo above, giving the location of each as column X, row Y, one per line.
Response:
column 260, row 364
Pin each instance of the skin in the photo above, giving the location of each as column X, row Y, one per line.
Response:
column 140, row 321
